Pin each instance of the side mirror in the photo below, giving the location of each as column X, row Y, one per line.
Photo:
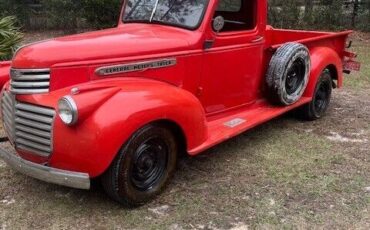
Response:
column 218, row 23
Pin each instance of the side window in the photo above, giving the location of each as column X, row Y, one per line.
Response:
column 229, row 5
column 238, row 14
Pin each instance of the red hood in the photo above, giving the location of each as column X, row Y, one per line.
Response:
column 125, row 41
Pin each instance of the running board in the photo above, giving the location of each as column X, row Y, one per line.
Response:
column 226, row 127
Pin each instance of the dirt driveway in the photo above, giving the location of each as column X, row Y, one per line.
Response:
column 286, row 173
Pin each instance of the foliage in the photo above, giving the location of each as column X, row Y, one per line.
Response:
column 320, row 14
column 330, row 16
column 363, row 19
column 16, row 8
column 101, row 13
column 79, row 14
column 70, row 14
column 10, row 37
column 285, row 15
column 63, row 14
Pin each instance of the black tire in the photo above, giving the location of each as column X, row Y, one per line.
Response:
column 143, row 167
column 321, row 99
column 288, row 73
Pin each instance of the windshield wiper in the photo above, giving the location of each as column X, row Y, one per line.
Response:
column 154, row 10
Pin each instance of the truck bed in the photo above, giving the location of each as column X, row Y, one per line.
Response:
column 277, row 37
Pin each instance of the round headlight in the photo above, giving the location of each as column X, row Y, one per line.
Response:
column 67, row 110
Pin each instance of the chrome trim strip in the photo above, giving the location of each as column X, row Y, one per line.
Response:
column 44, row 173
column 29, row 81
column 33, row 77
column 34, row 138
column 137, row 66
column 35, row 109
column 34, row 124
column 36, row 132
column 34, row 145
column 29, row 84
column 31, row 70
column 34, row 117
column 28, row 91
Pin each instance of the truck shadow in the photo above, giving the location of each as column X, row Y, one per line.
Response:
column 192, row 171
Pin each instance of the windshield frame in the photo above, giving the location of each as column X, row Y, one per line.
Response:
column 201, row 19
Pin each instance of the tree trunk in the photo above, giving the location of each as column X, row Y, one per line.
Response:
column 355, row 13
column 308, row 7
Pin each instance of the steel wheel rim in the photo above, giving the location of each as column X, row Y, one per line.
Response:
column 321, row 98
column 295, row 76
column 149, row 164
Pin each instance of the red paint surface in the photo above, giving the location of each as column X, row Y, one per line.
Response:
column 203, row 91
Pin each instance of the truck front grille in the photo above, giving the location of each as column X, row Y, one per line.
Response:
column 28, row 126
column 29, row 81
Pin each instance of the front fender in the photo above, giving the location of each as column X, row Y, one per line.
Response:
column 321, row 58
column 4, row 72
column 112, row 111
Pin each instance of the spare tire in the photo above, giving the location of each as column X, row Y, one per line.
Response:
column 288, row 73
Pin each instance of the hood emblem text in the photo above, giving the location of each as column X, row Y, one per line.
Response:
column 137, row 66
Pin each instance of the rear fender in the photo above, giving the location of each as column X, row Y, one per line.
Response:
column 321, row 58
column 4, row 72
column 120, row 110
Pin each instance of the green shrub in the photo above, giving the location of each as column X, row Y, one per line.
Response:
column 101, row 13
column 10, row 37
column 63, row 14
column 284, row 14
column 16, row 8
column 70, row 14
column 330, row 15
column 363, row 19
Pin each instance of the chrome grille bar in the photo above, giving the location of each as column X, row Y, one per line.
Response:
column 27, row 84
column 33, row 124
column 29, row 126
column 7, row 111
column 30, row 81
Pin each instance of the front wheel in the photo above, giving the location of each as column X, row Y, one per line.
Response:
column 143, row 166
column 321, row 99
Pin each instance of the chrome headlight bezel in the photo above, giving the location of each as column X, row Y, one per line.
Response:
column 67, row 110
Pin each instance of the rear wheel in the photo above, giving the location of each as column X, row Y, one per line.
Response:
column 143, row 167
column 321, row 100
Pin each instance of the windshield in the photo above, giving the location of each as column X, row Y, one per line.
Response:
column 182, row 13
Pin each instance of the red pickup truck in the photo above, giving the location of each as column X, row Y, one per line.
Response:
column 174, row 76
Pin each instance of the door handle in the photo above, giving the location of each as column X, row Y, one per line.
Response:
column 258, row 39
column 208, row 44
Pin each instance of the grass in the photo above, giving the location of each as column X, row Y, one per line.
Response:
column 361, row 45
column 285, row 174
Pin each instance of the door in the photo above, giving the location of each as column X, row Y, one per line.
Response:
column 233, row 58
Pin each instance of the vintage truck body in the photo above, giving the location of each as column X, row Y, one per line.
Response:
column 204, row 86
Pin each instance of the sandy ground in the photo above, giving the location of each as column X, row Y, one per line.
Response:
column 283, row 174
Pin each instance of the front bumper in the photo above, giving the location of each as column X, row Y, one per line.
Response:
column 44, row 173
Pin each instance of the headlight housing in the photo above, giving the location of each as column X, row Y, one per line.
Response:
column 67, row 110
